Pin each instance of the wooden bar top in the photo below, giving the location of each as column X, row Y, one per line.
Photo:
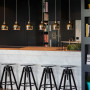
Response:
column 33, row 48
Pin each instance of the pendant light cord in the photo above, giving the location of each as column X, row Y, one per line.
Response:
column 29, row 9
column 16, row 10
column 69, row 11
column 55, row 10
column 42, row 10
column 4, row 11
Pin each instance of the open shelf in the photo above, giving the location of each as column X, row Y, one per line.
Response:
column 86, row 2
column 87, row 75
column 86, row 40
column 87, row 54
column 46, row 18
column 85, row 43
column 87, row 26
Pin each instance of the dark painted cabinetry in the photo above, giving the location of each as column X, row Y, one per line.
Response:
column 85, row 14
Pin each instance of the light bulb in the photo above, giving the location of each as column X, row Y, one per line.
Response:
column 69, row 26
column 56, row 26
column 29, row 26
column 4, row 27
column 42, row 26
column 16, row 26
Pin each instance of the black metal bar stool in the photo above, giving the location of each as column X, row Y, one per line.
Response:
column 27, row 73
column 48, row 74
column 8, row 73
column 67, row 75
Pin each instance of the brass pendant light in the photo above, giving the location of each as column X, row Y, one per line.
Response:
column 4, row 26
column 29, row 26
column 42, row 26
column 69, row 25
column 16, row 26
column 56, row 26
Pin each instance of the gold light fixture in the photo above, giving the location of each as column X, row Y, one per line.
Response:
column 56, row 26
column 69, row 25
column 29, row 25
column 4, row 26
column 42, row 26
column 16, row 26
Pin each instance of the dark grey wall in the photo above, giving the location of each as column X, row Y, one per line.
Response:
column 75, row 15
column 62, row 15
column 34, row 38
column 22, row 37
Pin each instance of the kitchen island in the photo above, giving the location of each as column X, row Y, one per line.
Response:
column 40, row 56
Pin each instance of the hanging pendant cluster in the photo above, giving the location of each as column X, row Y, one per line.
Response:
column 4, row 26
column 69, row 25
column 29, row 26
column 42, row 26
column 16, row 26
column 56, row 26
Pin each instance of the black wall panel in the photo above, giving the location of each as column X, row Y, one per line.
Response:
column 35, row 37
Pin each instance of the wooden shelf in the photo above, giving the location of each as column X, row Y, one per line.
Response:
column 87, row 68
column 86, row 40
column 86, row 13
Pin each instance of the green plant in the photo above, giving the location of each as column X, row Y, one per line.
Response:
column 74, row 47
column 88, row 79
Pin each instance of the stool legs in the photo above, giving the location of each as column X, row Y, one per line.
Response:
column 67, row 75
column 61, row 79
column 10, row 80
column 27, row 72
column 8, row 71
column 53, row 78
column 42, row 79
column 21, row 79
column 70, row 80
column 33, row 78
column 5, row 80
column 47, row 73
column 14, row 77
column 73, row 79
column 50, row 80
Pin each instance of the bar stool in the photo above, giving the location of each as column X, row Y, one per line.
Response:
column 67, row 75
column 48, row 74
column 27, row 73
column 8, row 72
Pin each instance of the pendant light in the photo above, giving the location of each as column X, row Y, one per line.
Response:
column 4, row 26
column 29, row 26
column 69, row 25
column 56, row 26
column 42, row 26
column 16, row 26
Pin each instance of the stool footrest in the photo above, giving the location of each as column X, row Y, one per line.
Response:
column 47, row 86
column 27, row 84
column 73, row 87
column 8, row 83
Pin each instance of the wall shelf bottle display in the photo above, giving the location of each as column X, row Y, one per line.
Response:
column 85, row 43
column 45, row 18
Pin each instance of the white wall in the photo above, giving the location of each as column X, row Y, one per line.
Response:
column 78, row 30
column 43, row 57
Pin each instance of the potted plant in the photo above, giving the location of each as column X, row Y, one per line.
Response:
column 88, row 4
column 74, row 47
column 88, row 82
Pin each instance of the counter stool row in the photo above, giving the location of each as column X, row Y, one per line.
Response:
column 27, row 72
